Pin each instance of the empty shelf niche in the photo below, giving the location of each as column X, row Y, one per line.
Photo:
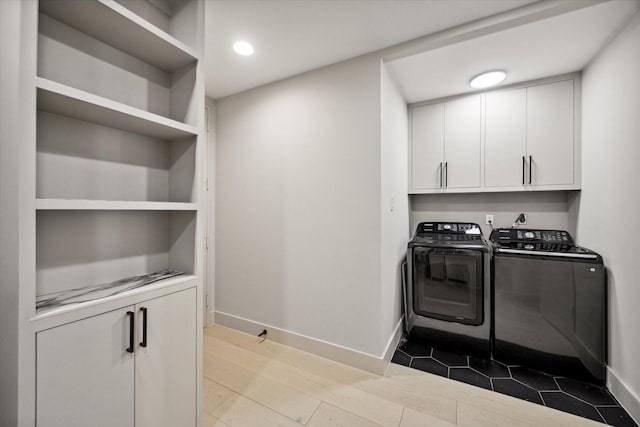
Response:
column 81, row 160
column 76, row 59
column 175, row 17
column 80, row 249
column 160, row 31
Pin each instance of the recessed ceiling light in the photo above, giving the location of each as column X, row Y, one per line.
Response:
column 490, row 78
column 243, row 48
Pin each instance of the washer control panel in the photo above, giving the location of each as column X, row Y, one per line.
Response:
column 531, row 236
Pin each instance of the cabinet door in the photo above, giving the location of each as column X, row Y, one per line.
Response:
column 550, row 133
column 85, row 376
column 166, row 367
column 505, row 133
column 427, row 146
column 462, row 142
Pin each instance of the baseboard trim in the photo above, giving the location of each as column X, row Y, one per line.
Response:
column 392, row 344
column 211, row 318
column 355, row 358
column 629, row 400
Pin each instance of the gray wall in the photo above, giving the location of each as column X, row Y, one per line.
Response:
column 607, row 212
column 544, row 209
column 298, row 205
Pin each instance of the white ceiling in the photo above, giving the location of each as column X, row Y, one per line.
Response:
column 293, row 36
column 553, row 46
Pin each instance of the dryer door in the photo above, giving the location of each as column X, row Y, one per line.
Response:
column 447, row 284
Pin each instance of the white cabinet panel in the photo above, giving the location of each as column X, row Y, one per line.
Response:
column 85, row 374
column 550, row 133
column 462, row 142
column 166, row 367
column 427, row 146
column 505, row 137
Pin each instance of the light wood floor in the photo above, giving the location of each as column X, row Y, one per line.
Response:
column 252, row 384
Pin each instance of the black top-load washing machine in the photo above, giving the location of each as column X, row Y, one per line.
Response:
column 447, row 288
column 549, row 303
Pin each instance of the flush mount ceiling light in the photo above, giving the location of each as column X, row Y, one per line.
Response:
column 490, row 78
column 243, row 48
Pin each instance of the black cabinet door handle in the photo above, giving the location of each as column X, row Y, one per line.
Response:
column 441, row 174
column 523, row 166
column 143, row 343
column 446, row 174
column 530, row 167
column 131, row 330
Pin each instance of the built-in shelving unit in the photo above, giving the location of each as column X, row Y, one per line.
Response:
column 117, row 135
column 109, row 192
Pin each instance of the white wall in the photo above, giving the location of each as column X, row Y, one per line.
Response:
column 298, row 205
column 608, row 209
column 544, row 209
column 210, row 187
column 394, row 200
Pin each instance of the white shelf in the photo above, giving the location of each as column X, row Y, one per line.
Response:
column 108, row 205
column 66, row 101
column 111, row 23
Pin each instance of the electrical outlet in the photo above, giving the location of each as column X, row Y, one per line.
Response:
column 488, row 219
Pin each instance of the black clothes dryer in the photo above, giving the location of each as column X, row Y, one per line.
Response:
column 549, row 303
column 447, row 287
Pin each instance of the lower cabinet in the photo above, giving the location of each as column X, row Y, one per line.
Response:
column 131, row 366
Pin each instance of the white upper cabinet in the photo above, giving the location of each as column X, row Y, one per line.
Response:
column 427, row 147
column 550, row 136
column 505, row 138
column 462, row 142
column 516, row 139
column 445, row 145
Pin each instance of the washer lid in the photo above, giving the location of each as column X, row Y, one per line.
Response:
column 455, row 241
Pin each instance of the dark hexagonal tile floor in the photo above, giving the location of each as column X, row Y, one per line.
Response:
column 490, row 368
column 579, row 398
column 516, row 389
column 450, row 359
column 469, row 376
column 430, row 365
column 564, row 402
column 533, row 379
column 590, row 393
column 413, row 349
column 616, row 416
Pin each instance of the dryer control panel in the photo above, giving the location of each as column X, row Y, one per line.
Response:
column 449, row 228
